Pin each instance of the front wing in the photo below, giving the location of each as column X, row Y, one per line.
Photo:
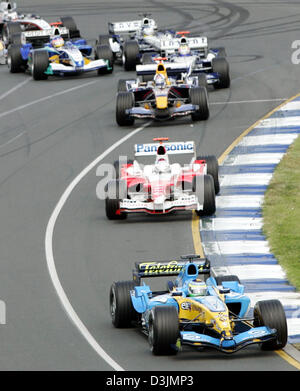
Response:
column 184, row 203
column 57, row 69
column 252, row 336
column 181, row 111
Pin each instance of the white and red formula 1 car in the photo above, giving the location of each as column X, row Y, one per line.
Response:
column 161, row 188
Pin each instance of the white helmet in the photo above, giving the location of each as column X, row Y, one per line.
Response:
column 148, row 31
column 184, row 50
column 162, row 165
column 160, row 80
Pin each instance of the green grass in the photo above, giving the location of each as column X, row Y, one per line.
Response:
column 281, row 213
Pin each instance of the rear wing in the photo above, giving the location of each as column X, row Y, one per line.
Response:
column 174, row 43
column 168, row 268
column 44, row 35
column 172, row 68
column 129, row 27
column 172, row 148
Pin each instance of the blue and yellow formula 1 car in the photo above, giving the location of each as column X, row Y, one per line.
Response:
column 197, row 309
column 51, row 52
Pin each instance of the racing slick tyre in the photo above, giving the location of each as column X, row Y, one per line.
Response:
column 40, row 63
column 212, row 169
column 104, row 52
column 116, row 190
column 221, row 66
column 163, row 330
column 15, row 61
column 122, row 85
column 69, row 23
column 221, row 51
column 125, row 100
column 121, row 308
column 103, row 40
column 10, row 30
column 270, row 313
column 198, row 96
column 130, row 55
column 205, row 193
column 229, row 277
column 202, row 81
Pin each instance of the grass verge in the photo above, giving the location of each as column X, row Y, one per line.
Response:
column 281, row 213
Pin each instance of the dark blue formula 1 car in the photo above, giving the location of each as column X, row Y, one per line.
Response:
column 51, row 52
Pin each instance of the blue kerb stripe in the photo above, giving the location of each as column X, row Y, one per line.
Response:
column 239, row 190
column 294, row 338
column 244, row 150
column 247, row 168
column 238, row 213
column 238, row 260
column 285, row 114
column 212, row 236
column 267, row 131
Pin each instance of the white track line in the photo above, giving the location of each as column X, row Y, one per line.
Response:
column 14, row 89
column 50, row 258
column 45, row 98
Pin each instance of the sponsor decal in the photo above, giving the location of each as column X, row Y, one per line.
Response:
column 186, row 306
column 176, row 147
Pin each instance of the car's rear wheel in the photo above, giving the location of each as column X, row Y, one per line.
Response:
column 212, row 169
column 270, row 313
column 198, row 96
column 205, row 192
column 10, row 31
column 121, row 308
column 221, row 66
column 125, row 101
column 104, row 52
column 71, row 25
column 40, row 63
column 130, row 55
column 202, row 81
column 163, row 330
column 15, row 61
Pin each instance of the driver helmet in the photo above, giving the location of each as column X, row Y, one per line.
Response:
column 148, row 31
column 57, row 42
column 160, row 80
column 162, row 165
column 197, row 288
column 184, row 50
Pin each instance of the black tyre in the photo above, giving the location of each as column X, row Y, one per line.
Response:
column 270, row 313
column 230, row 277
column 202, row 81
column 15, row 61
column 10, row 31
column 125, row 100
column 221, row 51
column 122, row 85
column 70, row 24
column 104, row 52
column 212, row 169
column 121, row 308
column 116, row 190
column 103, row 40
column 163, row 330
column 40, row 63
column 221, row 66
column 205, row 191
column 130, row 55
column 198, row 96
